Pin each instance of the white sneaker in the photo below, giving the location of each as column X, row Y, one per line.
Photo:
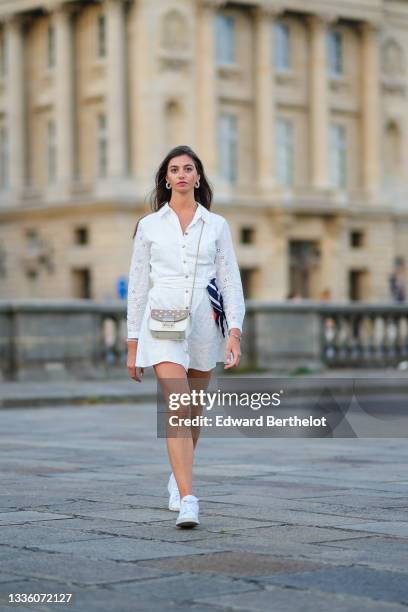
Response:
column 174, row 500
column 188, row 516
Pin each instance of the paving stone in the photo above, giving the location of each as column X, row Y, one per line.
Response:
column 186, row 587
column 371, row 543
column 26, row 516
column 82, row 507
column 71, row 568
column 6, row 577
column 375, row 551
column 281, row 516
column 86, row 524
column 120, row 549
column 246, row 543
column 288, row 600
column 365, row 500
column 234, row 563
column 122, row 514
column 32, row 535
column 162, row 531
column 389, row 528
column 361, row 581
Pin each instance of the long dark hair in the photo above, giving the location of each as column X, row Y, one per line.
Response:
column 160, row 194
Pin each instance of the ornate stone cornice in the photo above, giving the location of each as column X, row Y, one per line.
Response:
column 322, row 18
column 268, row 10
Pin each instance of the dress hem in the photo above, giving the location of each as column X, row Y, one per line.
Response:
column 150, row 365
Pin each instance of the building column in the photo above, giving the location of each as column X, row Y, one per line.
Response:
column 64, row 96
column 370, row 108
column 15, row 102
column 319, row 109
column 207, row 85
column 264, row 97
column 116, row 90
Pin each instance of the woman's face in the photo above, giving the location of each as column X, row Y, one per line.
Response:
column 182, row 174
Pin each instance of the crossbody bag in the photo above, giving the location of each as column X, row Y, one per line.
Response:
column 171, row 324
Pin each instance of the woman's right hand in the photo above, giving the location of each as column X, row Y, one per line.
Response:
column 134, row 372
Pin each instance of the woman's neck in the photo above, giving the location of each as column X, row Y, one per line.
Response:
column 181, row 203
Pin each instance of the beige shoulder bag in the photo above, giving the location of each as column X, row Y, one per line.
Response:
column 171, row 324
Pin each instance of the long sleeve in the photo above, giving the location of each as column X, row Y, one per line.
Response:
column 229, row 279
column 138, row 283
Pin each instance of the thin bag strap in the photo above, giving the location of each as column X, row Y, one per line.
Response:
column 195, row 267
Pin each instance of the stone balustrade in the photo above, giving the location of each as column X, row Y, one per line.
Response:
column 48, row 339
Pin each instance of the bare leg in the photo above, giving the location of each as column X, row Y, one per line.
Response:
column 173, row 379
column 198, row 379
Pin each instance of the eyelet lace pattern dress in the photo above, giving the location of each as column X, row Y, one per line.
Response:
column 161, row 276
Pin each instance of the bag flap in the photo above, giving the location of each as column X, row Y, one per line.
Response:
column 163, row 314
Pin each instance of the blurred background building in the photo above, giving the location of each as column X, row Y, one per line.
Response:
column 298, row 110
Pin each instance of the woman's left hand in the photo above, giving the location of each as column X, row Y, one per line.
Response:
column 232, row 347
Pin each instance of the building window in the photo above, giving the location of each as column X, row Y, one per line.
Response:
column 51, row 152
column 335, row 52
column 81, row 283
column 102, row 145
column 228, row 146
column 101, row 43
column 247, row 235
column 356, row 239
column 3, row 59
column 285, row 152
column 51, row 46
column 338, row 155
column 4, row 158
column 225, row 39
column 81, row 235
column 281, row 46
column 357, row 285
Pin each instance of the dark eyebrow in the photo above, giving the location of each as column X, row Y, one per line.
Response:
column 175, row 166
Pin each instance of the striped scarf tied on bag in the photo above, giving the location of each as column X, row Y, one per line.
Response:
column 217, row 305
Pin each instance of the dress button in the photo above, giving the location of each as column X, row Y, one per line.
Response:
column 186, row 276
column 184, row 246
column 186, row 233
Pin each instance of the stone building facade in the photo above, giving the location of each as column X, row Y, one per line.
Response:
column 298, row 110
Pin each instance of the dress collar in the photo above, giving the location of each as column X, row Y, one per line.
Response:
column 201, row 211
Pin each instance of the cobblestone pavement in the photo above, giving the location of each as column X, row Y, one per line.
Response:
column 286, row 524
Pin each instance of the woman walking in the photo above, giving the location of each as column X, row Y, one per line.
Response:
column 187, row 253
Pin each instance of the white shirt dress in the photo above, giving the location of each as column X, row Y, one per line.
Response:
column 161, row 276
